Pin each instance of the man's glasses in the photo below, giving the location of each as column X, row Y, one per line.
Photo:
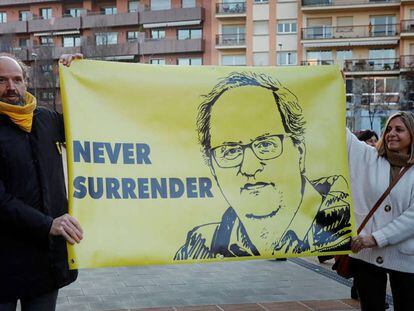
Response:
column 264, row 148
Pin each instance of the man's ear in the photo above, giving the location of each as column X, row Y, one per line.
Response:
column 302, row 156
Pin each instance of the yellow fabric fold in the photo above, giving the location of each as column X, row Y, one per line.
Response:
column 22, row 116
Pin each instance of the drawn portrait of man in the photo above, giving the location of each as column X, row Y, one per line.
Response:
column 252, row 133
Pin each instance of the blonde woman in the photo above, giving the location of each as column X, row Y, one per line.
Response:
column 386, row 244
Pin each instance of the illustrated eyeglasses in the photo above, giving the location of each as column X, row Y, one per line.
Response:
column 264, row 148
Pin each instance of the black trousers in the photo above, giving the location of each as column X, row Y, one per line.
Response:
column 371, row 284
column 45, row 302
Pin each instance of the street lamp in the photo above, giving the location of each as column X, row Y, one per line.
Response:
column 34, row 55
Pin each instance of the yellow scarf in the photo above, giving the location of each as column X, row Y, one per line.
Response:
column 22, row 116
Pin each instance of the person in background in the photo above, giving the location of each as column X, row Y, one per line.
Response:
column 386, row 244
column 369, row 137
column 34, row 224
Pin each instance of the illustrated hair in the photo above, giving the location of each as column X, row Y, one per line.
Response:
column 408, row 119
column 285, row 100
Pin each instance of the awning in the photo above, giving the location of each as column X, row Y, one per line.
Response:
column 57, row 33
column 173, row 24
column 120, row 57
column 348, row 42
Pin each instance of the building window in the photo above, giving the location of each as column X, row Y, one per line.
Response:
column 70, row 41
column 132, row 36
column 344, row 55
column 261, row 59
column 158, row 34
column 187, row 61
column 383, row 59
column 46, row 68
column 233, row 29
column 46, row 13
column 184, row 34
column 73, row 12
column 260, row 28
column 24, row 15
column 46, row 40
column 3, row 17
column 383, row 25
column 108, row 11
column 232, row 35
column 188, row 4
column 233, row 60
column 133, row 6
column 261, row 1
column 160, row 5
column 24, row 42
column 106, row 38
column 319, row 58
column 380, row 90
column 286, row 58
column 289, row 26
column 157, row 61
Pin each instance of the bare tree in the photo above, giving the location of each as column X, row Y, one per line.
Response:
column 44, row 74
column 7, row 43
column 95, row 45
column 371, row 96
column 407, row 88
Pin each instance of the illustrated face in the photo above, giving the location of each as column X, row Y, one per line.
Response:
column 254, row 160
column 397, row 137
column 12, row 84
column 372, row 141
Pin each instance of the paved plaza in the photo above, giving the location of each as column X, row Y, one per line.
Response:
column 296, row 284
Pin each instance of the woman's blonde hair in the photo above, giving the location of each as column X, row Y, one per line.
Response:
column 408, row 119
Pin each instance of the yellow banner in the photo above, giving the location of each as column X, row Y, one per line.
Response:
column 171, row 164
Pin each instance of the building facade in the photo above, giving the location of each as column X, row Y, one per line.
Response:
column 371, row 40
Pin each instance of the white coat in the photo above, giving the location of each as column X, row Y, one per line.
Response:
column 392, row 225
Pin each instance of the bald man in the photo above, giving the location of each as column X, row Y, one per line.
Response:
column 34, row 224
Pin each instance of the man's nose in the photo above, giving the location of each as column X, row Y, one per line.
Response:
column 10, row 85
column 251, row 164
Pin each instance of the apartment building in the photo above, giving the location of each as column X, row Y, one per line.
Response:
column 372, row 40
column 148, row 31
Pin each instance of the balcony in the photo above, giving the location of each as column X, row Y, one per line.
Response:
column 407, row 28
column 99, row 20
column 328, row 36
column 169, row 46
column 13, row 27
column 317, row 62
column 230, row 10
column 111, row 50
column 231, row 41
column 54, row 24
column 407, row 63
column 391, row 65
column 21, row 2
column 339, row 5
column 383, row 65
column 172, row 17
column 58, row 51
column 20, row 53
column 46, row 52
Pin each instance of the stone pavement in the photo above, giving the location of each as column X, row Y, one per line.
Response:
column 239, row 285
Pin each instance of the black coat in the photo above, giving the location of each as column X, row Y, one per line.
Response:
column 32, row 193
